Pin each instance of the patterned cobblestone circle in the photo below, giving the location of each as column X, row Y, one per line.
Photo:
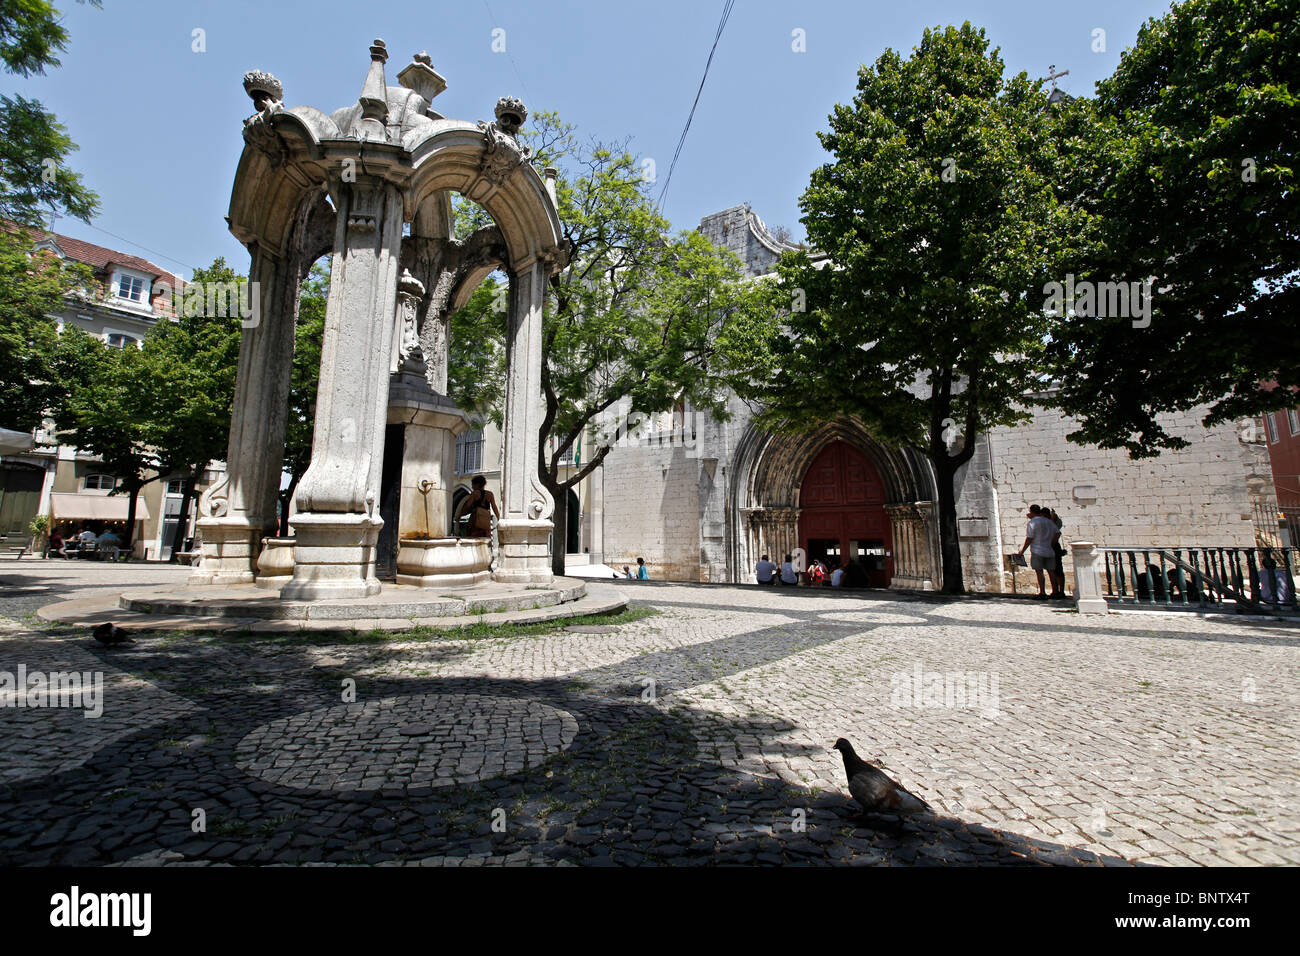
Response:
column 458, row 739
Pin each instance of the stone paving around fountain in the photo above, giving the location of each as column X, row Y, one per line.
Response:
column 698, row 735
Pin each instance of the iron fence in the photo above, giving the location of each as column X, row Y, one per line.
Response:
column 1249, row 579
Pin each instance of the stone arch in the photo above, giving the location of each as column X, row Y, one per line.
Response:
column 769, row 469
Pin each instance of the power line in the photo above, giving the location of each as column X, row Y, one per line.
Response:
column 722, row 23
column 518, row 75
column 154, row 252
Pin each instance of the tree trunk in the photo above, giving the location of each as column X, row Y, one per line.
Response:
column 183, row 522
column 286, row 499
column 560, row 535
column 128, row 544
column 945, row 470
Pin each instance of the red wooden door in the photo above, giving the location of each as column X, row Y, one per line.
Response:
column 842, row 500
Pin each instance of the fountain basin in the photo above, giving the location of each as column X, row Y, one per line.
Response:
column 443, row 562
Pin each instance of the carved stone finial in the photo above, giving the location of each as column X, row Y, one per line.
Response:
column 379, row 51
column 420, row 77
column 511, row 114
column 410, row 284
column 263, row 88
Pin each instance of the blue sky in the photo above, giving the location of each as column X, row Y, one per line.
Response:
column 159, row 124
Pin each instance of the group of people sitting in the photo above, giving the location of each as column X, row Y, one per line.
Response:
column 105, row 544
column 838, row 574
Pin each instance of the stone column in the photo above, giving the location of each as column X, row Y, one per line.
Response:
column 238, row 510
column 526, row 505
column 337, row 522
column 914, row 545
column 1087, row 578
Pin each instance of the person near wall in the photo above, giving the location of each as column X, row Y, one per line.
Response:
column 642, row 572
column 837, row 576
column 1040, row 533
column 480, row 506
column 1058, row 574
column 766, row 571
column 817, row 573
column 788, row 574
column 55, row 546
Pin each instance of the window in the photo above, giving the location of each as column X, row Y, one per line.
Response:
column 1271, row 418
column 117, row 340
column 176, row 486
column 130, row 287
column 100, row 483
column 469, row 452
column 1293, row 419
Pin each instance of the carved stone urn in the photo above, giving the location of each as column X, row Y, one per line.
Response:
column 443, row 562
column 275, row 563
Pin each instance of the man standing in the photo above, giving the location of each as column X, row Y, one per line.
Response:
column 1040, row 533
column 765, row 571
column 837, row 576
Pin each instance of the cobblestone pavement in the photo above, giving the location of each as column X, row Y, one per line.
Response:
column 698, row 735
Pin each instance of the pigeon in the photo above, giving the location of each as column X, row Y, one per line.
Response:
column 873, row 788
column 110, row 635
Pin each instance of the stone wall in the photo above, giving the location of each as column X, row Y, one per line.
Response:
column 652, row 508
column 743, row 233
column 1198, row 496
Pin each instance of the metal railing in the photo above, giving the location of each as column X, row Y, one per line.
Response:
column 1249, row 579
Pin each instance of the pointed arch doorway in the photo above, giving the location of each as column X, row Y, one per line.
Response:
column 842, row 513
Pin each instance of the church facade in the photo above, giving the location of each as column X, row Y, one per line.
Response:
column 702, row 500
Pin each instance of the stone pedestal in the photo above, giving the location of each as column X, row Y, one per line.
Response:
column 443, row 562
column 230, row 547
column 525, row 555
column 334, row 557
column 1087, row 578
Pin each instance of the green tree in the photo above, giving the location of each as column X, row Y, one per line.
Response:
column 107, row 407
column 939, row 217
column 32, row 287
column 33, row 144
column 638, row 319
column 193, row 362
column 1189, row 165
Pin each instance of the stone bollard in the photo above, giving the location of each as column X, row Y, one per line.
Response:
column 1087, row 578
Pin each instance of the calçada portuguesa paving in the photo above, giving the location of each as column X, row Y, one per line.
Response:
column 699, row 734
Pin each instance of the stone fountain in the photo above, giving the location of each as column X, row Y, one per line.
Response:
column 370, row 184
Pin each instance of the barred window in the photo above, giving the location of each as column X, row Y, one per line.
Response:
column 469, row 452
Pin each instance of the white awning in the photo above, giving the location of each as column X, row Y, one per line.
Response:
column 14, row 443
column 72, row 507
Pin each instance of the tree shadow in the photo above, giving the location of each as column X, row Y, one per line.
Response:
column 636, row 786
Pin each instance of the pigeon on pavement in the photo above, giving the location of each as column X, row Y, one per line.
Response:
column 873, row 788
column 110, row 635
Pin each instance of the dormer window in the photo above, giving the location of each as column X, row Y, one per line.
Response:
column 130, row 287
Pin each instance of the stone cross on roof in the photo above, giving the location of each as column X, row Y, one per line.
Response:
column 1054, row 76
